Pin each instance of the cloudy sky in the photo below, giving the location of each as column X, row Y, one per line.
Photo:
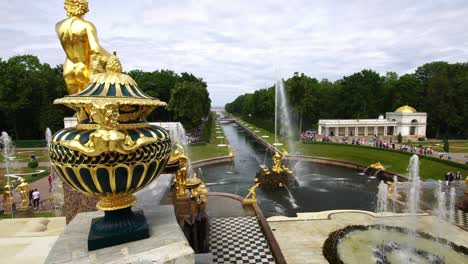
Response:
column 239, row 46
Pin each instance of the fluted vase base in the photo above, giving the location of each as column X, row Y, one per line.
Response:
column 117, row 227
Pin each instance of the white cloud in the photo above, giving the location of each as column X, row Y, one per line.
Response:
column 240, row 46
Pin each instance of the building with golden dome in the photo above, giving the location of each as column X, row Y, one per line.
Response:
column 405, row 120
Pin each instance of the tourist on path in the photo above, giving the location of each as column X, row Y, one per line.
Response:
column 448, row 177
column 50, row 179
column 458, row 177
column 36, row 196
column 31, row 197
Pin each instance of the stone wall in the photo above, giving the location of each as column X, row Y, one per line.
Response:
column 76, row 202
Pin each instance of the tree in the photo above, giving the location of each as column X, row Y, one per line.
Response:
column 446, row 145
column 189, row 103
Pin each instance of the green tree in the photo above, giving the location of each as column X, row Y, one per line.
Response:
column 189, row 103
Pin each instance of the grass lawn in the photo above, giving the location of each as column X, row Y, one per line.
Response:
column 36, row 214
column 209, row 150
column 25, row 155
column 28, row 178
column 454, row 146
column 397, row 161
column 429, row 169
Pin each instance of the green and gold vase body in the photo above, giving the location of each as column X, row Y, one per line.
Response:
column 112, row 152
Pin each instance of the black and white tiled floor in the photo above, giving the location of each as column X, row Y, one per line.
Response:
column 238, row 240
column 461, row 218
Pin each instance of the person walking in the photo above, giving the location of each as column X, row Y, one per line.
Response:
column 50, row 179
column 447, row 178
column 31, row 197
column 458, row 177
column 36, row 196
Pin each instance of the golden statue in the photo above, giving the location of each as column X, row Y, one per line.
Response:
column 277, row 163
column 251, row 197
column 7, row 197
column 23, row 189
column 377, row 166
column 466, row 183
column 232, row 152
column 85, row 57
column 181, row 176
column 390, row 190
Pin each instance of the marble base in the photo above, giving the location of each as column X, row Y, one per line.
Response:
column 166, row 244
column 25, row 212
column 463, row 203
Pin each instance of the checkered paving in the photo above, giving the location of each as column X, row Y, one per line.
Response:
column 461, row 219
column 238, row 240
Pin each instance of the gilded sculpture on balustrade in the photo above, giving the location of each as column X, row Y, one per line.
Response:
column 85, row 56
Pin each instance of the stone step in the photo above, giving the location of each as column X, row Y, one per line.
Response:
column 204, row 258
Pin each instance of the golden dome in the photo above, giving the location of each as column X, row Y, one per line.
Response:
column 405, row 109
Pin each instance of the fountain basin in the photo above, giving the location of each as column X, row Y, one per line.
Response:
column 389, row 244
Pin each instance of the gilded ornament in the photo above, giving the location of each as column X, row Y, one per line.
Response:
column 78, row 37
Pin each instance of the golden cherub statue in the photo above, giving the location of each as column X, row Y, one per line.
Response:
column 251, row 197
column 85, row 57
column 277, row 163
column 7, row 197
column 181, row 176
column 23, row 189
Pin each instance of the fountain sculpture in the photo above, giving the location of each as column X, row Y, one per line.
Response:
column 277, row 176
column 393, row 244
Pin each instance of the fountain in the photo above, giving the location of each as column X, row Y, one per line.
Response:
column 282, row 116
column 452, row 201
column 9, row 205
column 392, row 244
column 276, row 176
column 382, row 197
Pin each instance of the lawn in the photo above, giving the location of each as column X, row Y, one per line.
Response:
column 201, row 151
column 396, row 161
column 454, row 146
column 25, row 155
column 36, row 214
column 28, row 178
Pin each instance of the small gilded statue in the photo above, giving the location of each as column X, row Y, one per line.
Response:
column 23, row 189
column 7, row 196
column 181, row 176
column 85, row 57
column 277, row 163
column 251, row 197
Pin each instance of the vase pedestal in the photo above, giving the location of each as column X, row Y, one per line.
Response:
column 166, row 244
column 117, row 227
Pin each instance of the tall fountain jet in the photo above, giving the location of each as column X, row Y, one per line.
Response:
column 282, row 117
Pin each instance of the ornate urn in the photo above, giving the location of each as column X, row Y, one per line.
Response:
column 112, row 152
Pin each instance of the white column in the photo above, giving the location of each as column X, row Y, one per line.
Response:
column 385, row 130
column 320, row 130
column 365, row 131
column 346, row 131
column 326, row 131
column 376, row 130
column 356, row 131
column 337, row 131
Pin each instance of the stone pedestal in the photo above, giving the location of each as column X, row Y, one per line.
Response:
column 76, row 202
column 166, row 244
column 25, row 212
column 463, row 203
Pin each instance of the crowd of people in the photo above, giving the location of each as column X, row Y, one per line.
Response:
column 194, row 135
column 450, row 177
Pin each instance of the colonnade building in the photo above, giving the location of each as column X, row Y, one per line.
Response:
column 405, row 120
